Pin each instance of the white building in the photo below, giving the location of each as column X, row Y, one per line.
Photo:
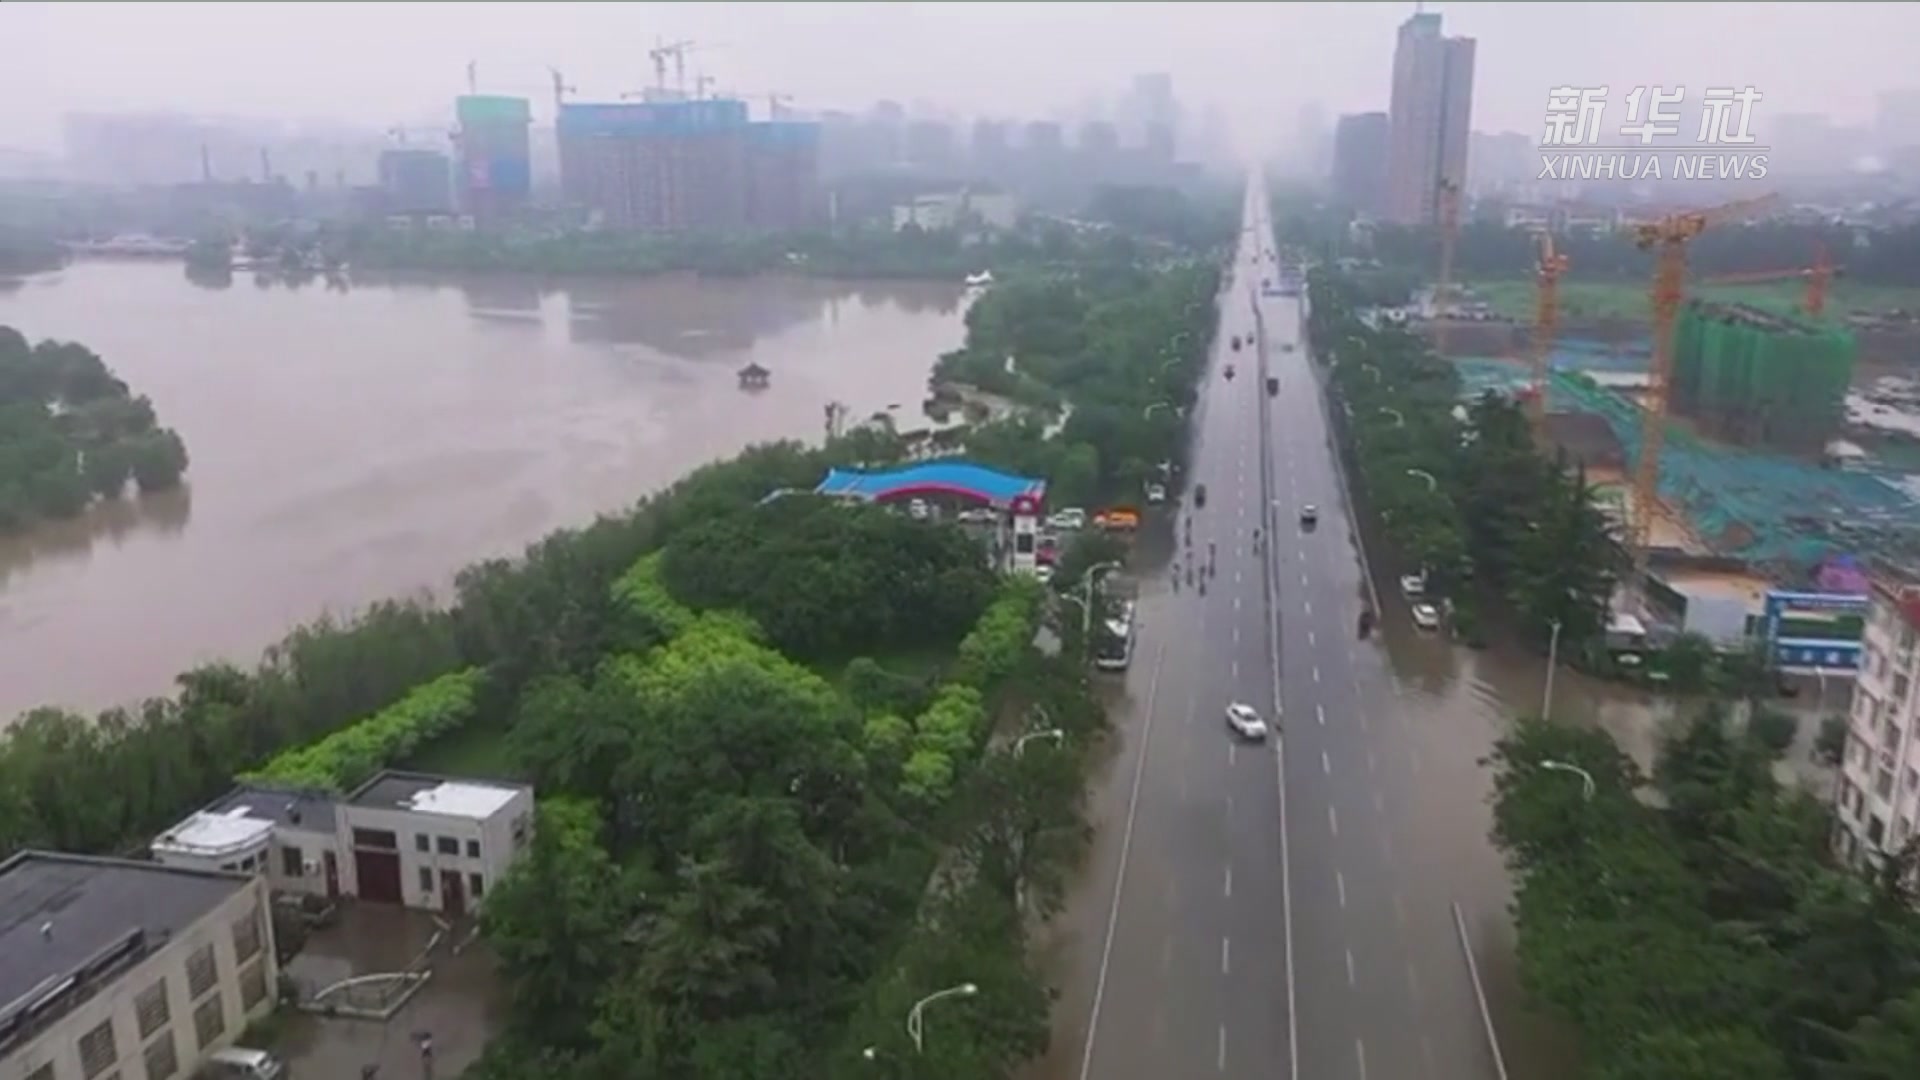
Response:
column 403, row 838
column 958, row 209
column 111, row 968
column 1878, row 798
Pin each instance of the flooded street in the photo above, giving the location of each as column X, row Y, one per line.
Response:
column 353, row 445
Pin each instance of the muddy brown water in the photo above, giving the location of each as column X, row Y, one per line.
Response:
column 353, row 445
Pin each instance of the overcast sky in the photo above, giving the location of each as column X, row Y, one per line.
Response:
column 386, row 63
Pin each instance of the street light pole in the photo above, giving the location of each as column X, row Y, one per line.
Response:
column 1432, row 484
column 916, row 1024
column 1553, row 661
column 1587, row 785
column 1399, row 421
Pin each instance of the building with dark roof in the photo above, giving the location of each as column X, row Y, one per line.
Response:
column 113, row 967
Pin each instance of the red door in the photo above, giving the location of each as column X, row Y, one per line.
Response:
column 379, row 875
column 453, row 895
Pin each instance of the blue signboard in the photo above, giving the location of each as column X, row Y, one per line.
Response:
column 1795, row 649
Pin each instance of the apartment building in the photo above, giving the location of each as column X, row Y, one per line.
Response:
column 112, row 969
column 1878, row 797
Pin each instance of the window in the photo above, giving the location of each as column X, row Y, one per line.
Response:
column 293, row 862
column 477, row 885
column 150, row 1008
column 97, row 1054
column 449, row 846
column 201, row 974
column 162, row 1060
column 253, row 985
column 473, row 849
column 376, row 838
column 1883, row 784
column 421, row 843
column 209, row 1020
column 426, row 880
column 246, row 936
column 519, row 831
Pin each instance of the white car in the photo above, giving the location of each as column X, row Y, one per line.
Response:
column 1043, row 574
column 1244, row 722
column 1309, row 515
column 918, row 510
column 979, row 515
column 1156, row 494
column 1426, row 617
column 1068, row 520
column 1412, row 585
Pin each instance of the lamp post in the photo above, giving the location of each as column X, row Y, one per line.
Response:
column 1020, row 744
column 916, row 1025
column 1432, row 484
column 1587, row 785
column 1553, row 661
column 1399, row 421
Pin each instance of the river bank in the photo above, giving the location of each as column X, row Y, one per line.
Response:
column 361, row 444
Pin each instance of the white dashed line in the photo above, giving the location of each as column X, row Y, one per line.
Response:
column 1316, row 673
column 1236, row 631
column 1326, row 763
column 1320, row 713
column 1236, row 600
column 1308, row 605
column 1226, row 956
column 1333, row 821
column 1235, row 664
column 1236, row 581
column 1360, row 1055
column 1232, row 749
column 1340, row 884
column 1303, row 577
column 1351, row 979
column 1220, row 1059
column 1227, row 889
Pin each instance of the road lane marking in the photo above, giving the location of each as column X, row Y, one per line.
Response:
column 1226, row 956
column 1236, row 581
column 1413, row 983
column 1228, row 889
column 1320, row 711
column 1333, row 821
column 1351, row 979
column 1310, row 639
column 1303, row 577
column 1340, row 883
column 1236, row 600
column 1326, row 763
column 1360, row 1055
column 1232, row 749
column 1308, row 604
column 1286, row 885
column 1235, row 667
column 1236, row 628
column 1120, row 875
column 1220, row 1059
column 1316, row 673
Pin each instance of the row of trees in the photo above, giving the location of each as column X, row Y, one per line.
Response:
column 70, row 432
column 1694, row 924
column 1464, row 494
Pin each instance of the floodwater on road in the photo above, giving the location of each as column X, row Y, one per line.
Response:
column 352, row 445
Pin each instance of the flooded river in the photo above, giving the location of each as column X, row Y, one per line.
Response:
column 353, row 445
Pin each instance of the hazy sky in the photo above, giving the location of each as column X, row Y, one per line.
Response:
column 386, row 63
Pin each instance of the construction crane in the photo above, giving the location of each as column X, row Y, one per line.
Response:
column 702, row 82
column 1449, row 206
column 1546, row 319
column 560, row 90
column 1668, row 238
column 1817, row 277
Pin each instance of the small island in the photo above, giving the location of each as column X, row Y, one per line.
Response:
column 70, row 433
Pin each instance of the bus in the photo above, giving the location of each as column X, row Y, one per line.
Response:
column 1113, row 641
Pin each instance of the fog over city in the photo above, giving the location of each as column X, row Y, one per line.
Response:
column 380, row 65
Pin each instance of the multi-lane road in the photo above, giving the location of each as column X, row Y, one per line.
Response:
column 1271, row 909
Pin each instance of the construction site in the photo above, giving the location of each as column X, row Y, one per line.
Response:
column 1729, row 441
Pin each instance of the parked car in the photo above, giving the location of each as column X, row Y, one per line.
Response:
column 1118, row 519
column 1229, row 372
column 1068, row 519
column 1200, row 496
column 1309, row 515
column 979, row 515
column 1426, row 617
column 1412, row 585
column 1043, row 574
column 241, row 1063
column 1243, row 721
column 1273, row 386
column 1156, row 494
column 1236, row 343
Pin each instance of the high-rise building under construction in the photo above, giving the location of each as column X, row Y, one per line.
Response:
column 1759, row 378
column 1430, row 116
column 495, row 153
column 688, row 166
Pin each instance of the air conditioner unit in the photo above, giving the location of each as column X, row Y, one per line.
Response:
column 309, row 868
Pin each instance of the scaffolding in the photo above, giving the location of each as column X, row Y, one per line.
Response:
column 1758, row 378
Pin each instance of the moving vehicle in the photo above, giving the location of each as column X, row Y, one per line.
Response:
column 1113, row 650
column 1413, row 585
column 1156, row 494
column 1199, row 499
column 1068, row 519
column 242, row 1063
column 979, row 515
column 1309, row 515
column 1426, row 617
column 1243, row 721
column 1229, row 373
column 1236, row 343
column 1118, row 519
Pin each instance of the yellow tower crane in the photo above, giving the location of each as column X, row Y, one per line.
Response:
column 1668, row 238
column 1546, row 319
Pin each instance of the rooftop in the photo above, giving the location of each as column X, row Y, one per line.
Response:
column 77, row 916
column 246, row 814
column 427, row 794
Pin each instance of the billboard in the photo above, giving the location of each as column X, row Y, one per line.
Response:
column 1808, row 630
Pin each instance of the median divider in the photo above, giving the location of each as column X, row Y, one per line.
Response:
column 1479, row 993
